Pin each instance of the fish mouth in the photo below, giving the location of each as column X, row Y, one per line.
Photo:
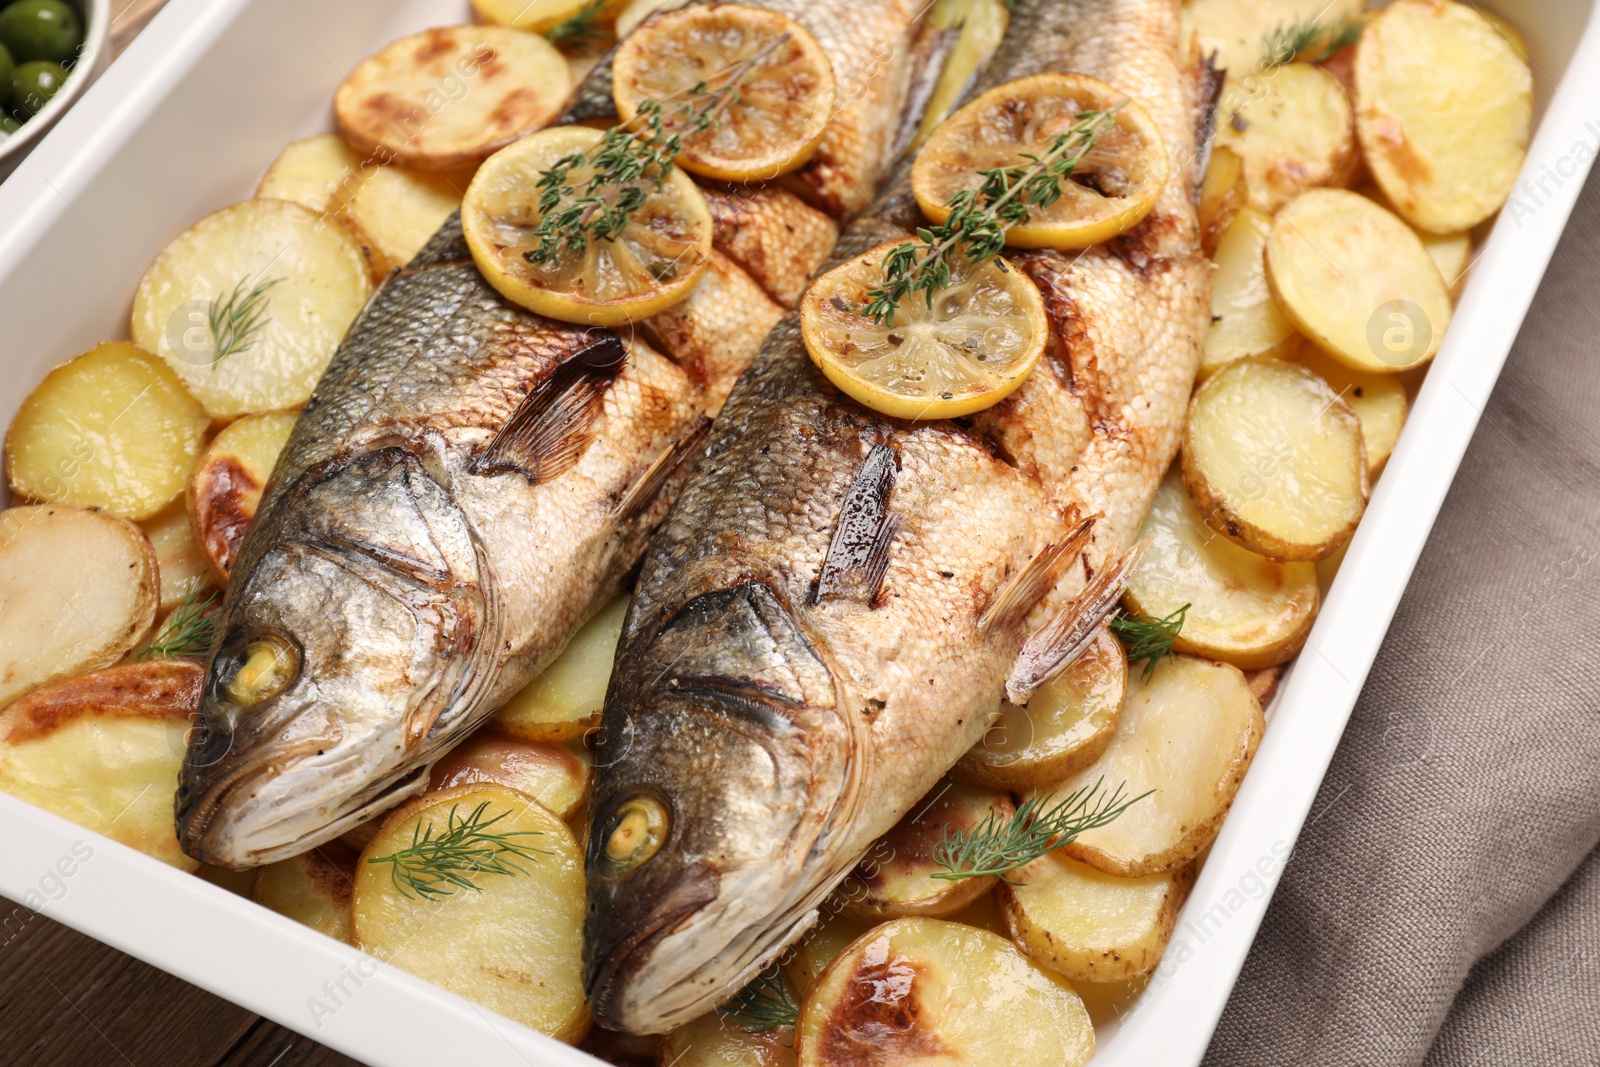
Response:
column 612, row 964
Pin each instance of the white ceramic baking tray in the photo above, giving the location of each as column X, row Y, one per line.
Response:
column 186, row 122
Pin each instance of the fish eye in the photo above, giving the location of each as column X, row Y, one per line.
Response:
column 638, row 830
column 263, row 669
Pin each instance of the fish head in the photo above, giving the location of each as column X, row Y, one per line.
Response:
column 341, row 665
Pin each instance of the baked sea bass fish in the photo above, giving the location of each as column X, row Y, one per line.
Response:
column 838, row 600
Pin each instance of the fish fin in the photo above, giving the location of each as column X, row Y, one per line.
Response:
column 1056, row 644
column 1208, row 85
column 1031, row 584
column 556, row 422
column 649, row 486
column 858, row 555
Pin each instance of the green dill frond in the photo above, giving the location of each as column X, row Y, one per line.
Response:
column 580, row 32
column 434, row 867
column 1148, row 638
column 764, row 1005
column 1308, row 41
column 187, row 631
column 237, row 319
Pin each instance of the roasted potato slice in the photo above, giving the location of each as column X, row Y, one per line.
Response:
column 248, row 304
column 1245, row 320
column 113, row 428
column 1243, row 609
column 1379, row 401
column 715, row 1040
column 1264, row 684
column 1296, row 132
column 819, row 947
column 1273, row 459
column 557, row 776
column 314, row 888
column 321, row 172
column 396, row 210
column 1444, row 106
column 104, row 750
column 903, row 993
column 515, row 945
column 452, row 96
column 1109, row 1001
column 80, row 590
column 179, row 561
column 226, row 487
column 1188, row 732
column 564, row 702
column 982, row 26
column 1450, row 252
column 1224, row 192
column 1091, row 926
column 539, row 16
column 1238, row 31
column 1063, row 729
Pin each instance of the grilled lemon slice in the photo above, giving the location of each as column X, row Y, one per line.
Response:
column 983, row 335
column 1114, row 186
column 651, row 265
column 760, row 78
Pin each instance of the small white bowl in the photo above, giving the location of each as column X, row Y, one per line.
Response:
column 92, row 59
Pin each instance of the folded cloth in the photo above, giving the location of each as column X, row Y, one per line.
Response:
column 1431, row 915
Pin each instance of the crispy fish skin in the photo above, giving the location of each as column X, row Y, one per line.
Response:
column 829, row 615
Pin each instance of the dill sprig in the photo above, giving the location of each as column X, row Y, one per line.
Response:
column 998, row 845
column 764, row 1005
column 1149, row 638
column 434, row 867
column 1308, row 41
column 580, row 31
column 236, row 319
column 187, row 631
column 980, row 217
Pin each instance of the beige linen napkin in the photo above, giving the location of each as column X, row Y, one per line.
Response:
column 1444, row 910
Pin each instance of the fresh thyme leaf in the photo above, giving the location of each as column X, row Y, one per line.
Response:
column 764, row 1005
column 1308, row 41
column 979, row 218
column 998, row 845
column 236, row 319
column 188, row 629
column 1148, row 638
column 434, row 867
column 580, row 31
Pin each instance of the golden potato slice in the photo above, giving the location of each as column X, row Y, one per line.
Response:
column 515, row 944
column 1239, row 31
column 1357, row 281
column 104, row 750
column 179, row 561
column 396, row 210
column 564, row 702
column 1063, row 729
column 80, row 590
column 540, row 16
column 1379, row 401
column 314, row 888
column 1091, row 926
column 1188, row 732
column 1264, row 684
column 1109, row 1001
column 557, row 776
column 1513, row 36
column 321, row 172
column 1224, row 192
column 1450, row 252
column 248, row 304
column 1296, row 132
column 227, row 484
column 1273, row 459
column 819, row 947
column 113, row 428
column 1444, row 106
column 451, row 96
column 1245, row 320
column 982, row 25
column 896, row 876
column 636, row 12
column 904, row 993
column 714, row 1040
column 1243, row 609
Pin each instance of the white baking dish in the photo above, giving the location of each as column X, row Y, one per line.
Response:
column 186, row 122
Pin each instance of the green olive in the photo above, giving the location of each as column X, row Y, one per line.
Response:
column 33, row 84
column 41, row 29
column 7, row 66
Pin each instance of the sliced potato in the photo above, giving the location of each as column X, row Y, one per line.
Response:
column 1244, row 609
column 314, row 888
column 321, row 172
column 179, row 561
column 113, row 428
column 819, row 947
column 714, row 1040
column 564, row 702
column 1091, row 926
column 227, row 484
column 1109, row 1001
column 451, row 96
column 515, row 945
column 538, row 16
column 557, row 776
column 1264, row 684
column 1245, row 320
column 1296, row 132
column 1238, row 30
column 639, row 10
column 104, row 750
column 396, row 210
column 248, row 304
column 1379, row 401
column 1224, row 192
column 1188, row 732
column 1273, row 459
column 904, row 993
column 1063, row 729
column 1450, row 252
column 1444, row 110
column 982, row 25
column 79, row 590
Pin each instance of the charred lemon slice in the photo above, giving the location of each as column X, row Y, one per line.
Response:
column 749, row 91
column 980, row 338
column 1112, row 188
column 652, row 263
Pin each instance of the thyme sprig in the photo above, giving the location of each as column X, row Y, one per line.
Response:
column 580, row 31
column 187, row 631
column 1149, row 638
column 434, row 867
column 764, row 1005
column 237, row 319
column 999, row 845
column 980, row 217
column 1308, row 41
